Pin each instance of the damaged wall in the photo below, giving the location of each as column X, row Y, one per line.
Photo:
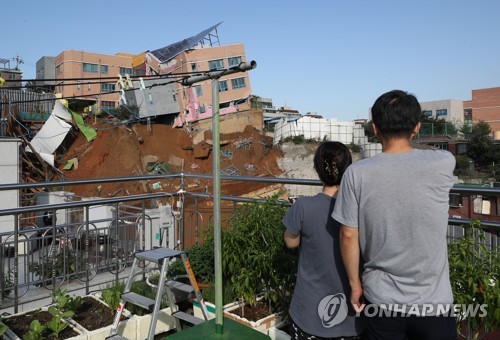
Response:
column 158, row 100
column 231, row 123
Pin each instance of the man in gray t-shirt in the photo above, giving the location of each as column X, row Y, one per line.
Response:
column 393, row 208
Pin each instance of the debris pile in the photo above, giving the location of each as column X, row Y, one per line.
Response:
column 160, row 149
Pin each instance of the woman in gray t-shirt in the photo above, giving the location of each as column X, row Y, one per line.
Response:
column 319, row 305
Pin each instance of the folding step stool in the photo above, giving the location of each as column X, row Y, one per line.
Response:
column 162, row 257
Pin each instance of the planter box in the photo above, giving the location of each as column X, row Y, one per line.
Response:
column 262, row 325
column 10, row 335
column 164, row 323
column 126, row 328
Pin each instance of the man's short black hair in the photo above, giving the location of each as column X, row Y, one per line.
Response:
column 395, row 114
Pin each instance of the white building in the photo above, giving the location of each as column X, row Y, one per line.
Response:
column 451, row 110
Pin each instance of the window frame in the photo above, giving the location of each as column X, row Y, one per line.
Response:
column 218, row 63
column 105, row 87
column 223, row 88
column 238, row 83
column 231, row 63
column 90, row 68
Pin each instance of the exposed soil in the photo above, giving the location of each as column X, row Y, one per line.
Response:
column 94, row 314
column 254, row 312
column 20, row 324
column 117, row 151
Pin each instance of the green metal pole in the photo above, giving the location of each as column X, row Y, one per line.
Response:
column 217, row 211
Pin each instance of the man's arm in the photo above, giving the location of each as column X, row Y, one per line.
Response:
column 349, row 248
column 291, row 240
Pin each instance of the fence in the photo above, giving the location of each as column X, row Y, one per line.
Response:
column 94, row 246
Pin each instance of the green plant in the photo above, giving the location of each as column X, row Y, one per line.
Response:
column 142, row 288
column 300, row 139
column 112, row 295
column 64, row 302
column 474, row 276
column 62, row 264
column 354, row 147
column 36, row 330
column 3, row 328
column 255, row 258
column 57, row 324
column 201, row 258
column 228, row 294
column 462, row 165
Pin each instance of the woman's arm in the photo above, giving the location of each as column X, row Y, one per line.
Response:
column 291, row 240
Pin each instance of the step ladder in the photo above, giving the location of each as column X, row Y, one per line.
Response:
column 162, row 257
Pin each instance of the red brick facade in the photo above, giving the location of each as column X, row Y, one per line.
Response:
column 485, row 105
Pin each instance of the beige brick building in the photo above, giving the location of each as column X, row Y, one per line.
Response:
column 96, row 67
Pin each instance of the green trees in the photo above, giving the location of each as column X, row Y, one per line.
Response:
column 433, row 126
column 481, row 148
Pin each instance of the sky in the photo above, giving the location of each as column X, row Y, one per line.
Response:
column 331, row 57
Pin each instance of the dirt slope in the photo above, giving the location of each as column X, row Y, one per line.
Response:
column 117, row 151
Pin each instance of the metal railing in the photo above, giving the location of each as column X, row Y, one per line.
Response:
column 85, row 254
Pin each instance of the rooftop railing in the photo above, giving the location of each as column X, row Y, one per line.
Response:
column 88, row 244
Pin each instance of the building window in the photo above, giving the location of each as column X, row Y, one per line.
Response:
column 442, row 146
column 105, row 104
column 442, row 112
column 198, row 90
column 125, row 70
column 238, row 83
column 216, row 64
column 91, row 68
column 223, row 86
column 58, row 69
column 455, row 200
column 194, row 67
column 78, row 85
column 427, row 113
column 104, row 69
column 89, row 87
column 108, row 87
column 461, row 148
column 234, row 61
column 482, row 205
column 12, row 77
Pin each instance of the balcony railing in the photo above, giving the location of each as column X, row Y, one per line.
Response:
column 93, row 245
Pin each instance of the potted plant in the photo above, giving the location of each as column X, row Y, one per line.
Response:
column 474, row 276
column 261, row 269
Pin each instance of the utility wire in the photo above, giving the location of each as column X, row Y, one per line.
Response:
column 89, row 95
column 169, row 75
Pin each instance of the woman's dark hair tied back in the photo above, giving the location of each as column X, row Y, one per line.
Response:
column 331, row 159
column 331, row 168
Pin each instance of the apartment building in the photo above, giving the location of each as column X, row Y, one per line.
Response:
column 45, row 71
column 195, row 55
column 101, row 70
column 14, row 75
column 485, row 106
